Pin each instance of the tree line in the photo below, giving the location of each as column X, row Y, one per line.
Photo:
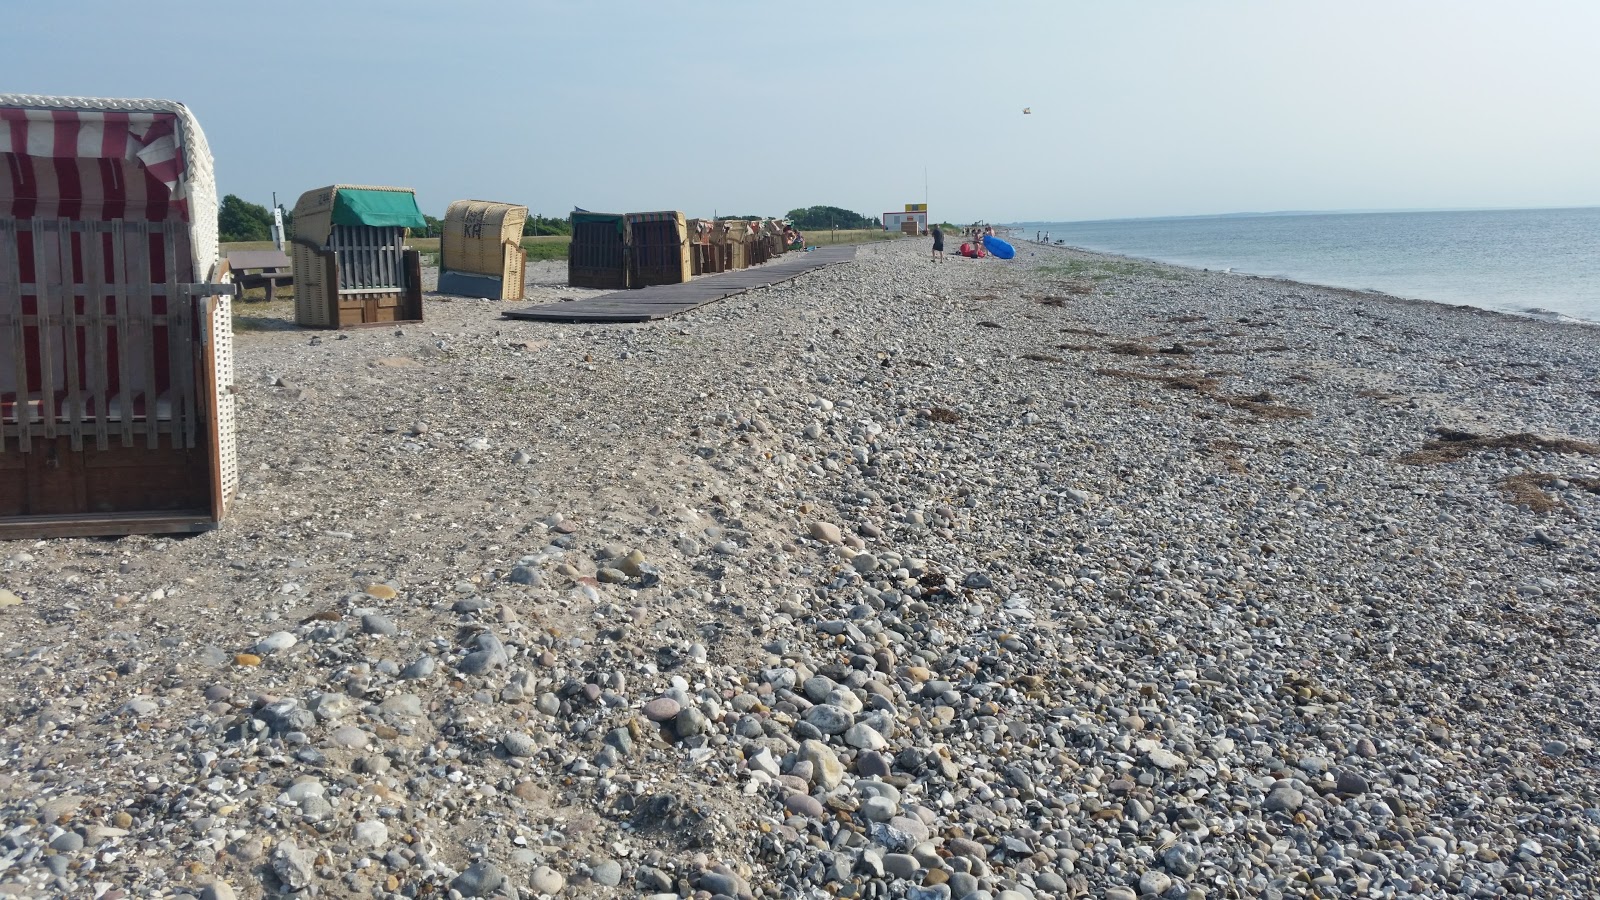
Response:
column 240, row 220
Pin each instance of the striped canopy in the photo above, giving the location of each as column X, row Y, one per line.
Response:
column 89, row 159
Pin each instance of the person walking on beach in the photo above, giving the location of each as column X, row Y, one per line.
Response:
column 938, row 244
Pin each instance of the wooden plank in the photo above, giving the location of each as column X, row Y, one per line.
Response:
column 13, row 331
column 143, row 313
column 240, row 260
column 393, row 262
column 8, row 242
column 180, row 367
column 42, row 293
column 73, row 525
column 94, row 273
column 358, row 258
column 119, row 254
column 348, row 277
column 69, row 334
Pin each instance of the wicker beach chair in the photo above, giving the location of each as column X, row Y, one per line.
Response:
column 598, row 254
column 480, row 250
column 351, row 265
column 116, row 340
column 658, row 247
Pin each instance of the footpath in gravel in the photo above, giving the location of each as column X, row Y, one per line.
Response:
column 1072, row 576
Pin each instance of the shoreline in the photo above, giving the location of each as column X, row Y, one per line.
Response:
column 1534, row 313
column 1072, row 575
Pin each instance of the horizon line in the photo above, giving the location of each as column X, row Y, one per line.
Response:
column 1306, row 212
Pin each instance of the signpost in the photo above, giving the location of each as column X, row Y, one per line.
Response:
column 277, row 222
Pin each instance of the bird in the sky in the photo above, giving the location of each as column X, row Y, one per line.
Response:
column 1027, row 110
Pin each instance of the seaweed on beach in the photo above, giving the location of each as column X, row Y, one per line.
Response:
column 1042, row 357
column 1454, row 444
column 1186, row 381
column 1082, row 348
column 988, row 324
column 1262, row 405
column 1265, row 406
column 943, row 416
column 1069, row 289
column 1527, row 488
column 1185, row 320
column 1087, row 331
column 1131, row 348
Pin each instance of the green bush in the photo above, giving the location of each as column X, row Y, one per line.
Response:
column 538, row 226
column 818, row 217
column 241, row 220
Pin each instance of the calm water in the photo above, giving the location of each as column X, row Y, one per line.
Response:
column 1539, row 261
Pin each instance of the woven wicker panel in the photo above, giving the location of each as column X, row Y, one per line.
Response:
column 659, row 242
column 475, row 234
column 315, row 304
column 227, row 438
column 516, row 266
column 597, row 256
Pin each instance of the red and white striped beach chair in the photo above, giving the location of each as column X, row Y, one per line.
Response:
column 116, row 364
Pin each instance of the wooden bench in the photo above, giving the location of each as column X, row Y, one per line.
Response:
column 258, row 268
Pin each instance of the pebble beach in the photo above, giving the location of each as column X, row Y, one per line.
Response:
column 1068, row 576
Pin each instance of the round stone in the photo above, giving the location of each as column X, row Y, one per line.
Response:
column 349, row 737
column 803, row 805
column 661, row 709
column 607, row 872
column 369, row 835
column 871, row 764
column 879, row 809
column 383, row 626
column 277, row 642
column 545, row 880
column 1284, row 799
column 690, row 722
column 829, row 719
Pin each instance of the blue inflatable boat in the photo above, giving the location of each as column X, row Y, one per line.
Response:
column 997, row 248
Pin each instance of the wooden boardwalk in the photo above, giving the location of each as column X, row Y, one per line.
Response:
column 659, row 302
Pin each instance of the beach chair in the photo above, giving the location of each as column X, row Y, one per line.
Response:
column 351, row 265
column 480, row 251
column 116, row 339
column 598, row 254
column 759, row 251
column 658, row 248
column 706, row 256
column 727, row 238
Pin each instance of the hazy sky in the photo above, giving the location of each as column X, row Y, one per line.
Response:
column 1139, row 108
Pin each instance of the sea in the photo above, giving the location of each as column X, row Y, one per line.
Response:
column 1535, row 262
